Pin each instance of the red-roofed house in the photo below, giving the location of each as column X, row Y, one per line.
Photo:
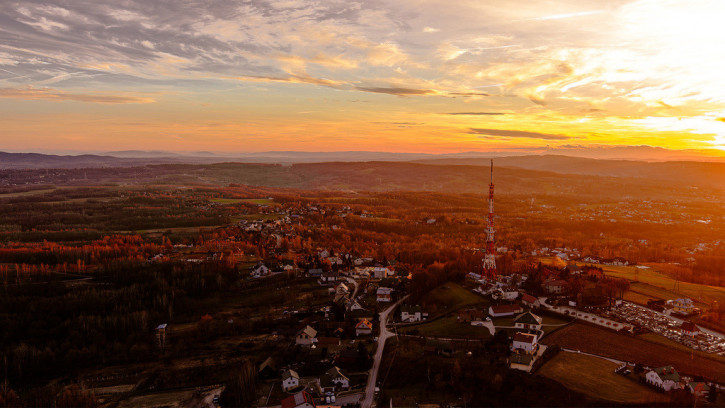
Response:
column 299, row 400
column 530, row 301
column 555, row 286
column 364, row 328
column 524, row 342
column 504, row 310
column 689, row 329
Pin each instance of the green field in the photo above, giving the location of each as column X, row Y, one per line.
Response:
column 257, row 217
column 450, row 327
column 450, row 297
column 259, row 201
column 595, row 377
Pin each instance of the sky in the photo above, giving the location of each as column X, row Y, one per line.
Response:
column 398, row 76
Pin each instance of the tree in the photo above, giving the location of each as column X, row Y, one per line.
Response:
column 241, row 388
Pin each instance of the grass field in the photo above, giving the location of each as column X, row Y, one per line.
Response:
column 450, row 327
column 595, row 377
column 450, row 297
column 650, row 283
column 603, row 342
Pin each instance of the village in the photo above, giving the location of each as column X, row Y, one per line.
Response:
column 321, row 303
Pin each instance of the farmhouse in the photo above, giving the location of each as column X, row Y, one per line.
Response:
column 528, row 320
column 363, row 328
column 504, row 310
column 299, row 400
column 384, row 294
column 290, row 380
column 665, row 378
column 524, row 343
column 306, row 336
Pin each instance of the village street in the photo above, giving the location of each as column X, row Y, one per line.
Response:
column 384, row 335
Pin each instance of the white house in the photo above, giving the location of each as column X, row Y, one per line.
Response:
column 260, row 271
column 334, row 380
column 290, row 380
column 528, row 320
column 530, row 301
column 380, row 272
column 504, row 310
column 364, row 328
column 665, row 378
column 306, row 336
column 409, row 313
column 524, row 342
column 384, row 294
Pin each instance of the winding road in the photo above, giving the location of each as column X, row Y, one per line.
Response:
column 385, row 334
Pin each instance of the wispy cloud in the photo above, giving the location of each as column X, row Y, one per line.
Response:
column 517, row 133
column 476, row 113
column 56, row 95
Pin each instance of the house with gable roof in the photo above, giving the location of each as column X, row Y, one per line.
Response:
column 665, row 378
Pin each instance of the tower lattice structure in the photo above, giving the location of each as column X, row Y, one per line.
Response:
column 489, row 260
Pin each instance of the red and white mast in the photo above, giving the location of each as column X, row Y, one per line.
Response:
column 489, row 261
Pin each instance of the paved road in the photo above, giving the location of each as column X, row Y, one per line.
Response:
column 354, row 282
column 385, row 334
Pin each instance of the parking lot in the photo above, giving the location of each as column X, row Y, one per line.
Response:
column 666, row 326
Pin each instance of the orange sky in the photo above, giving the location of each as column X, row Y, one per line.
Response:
column 400, row 76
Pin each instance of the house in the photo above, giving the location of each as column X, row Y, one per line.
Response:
column 470, row 315
column 290, row 380
column 521, row 361
column 334, row 380
column 381, row 272
column 684, row 306
column 530, row 301
column 364, row 328
column 528, row 320
column 504, row 310
column 555, row 287
column 384, row 294
column 524, row 343
column 314, row 272
column 260, row 271
column 306, row 336
column 267, row 369
column 299, row 400
column 329, row 277
column 689, row 329
column 666, row 378
column 699, row 389
column 409, row 313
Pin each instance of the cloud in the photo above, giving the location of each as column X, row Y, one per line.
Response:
column 720, row 119
column 56, row 95
column 431, row 30
column 397, row 91
column 476, row 113
column 516, row 133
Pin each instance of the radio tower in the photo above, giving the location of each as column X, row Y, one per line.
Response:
column 489, row 261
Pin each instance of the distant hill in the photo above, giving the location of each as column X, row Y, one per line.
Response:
column 711, row 174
